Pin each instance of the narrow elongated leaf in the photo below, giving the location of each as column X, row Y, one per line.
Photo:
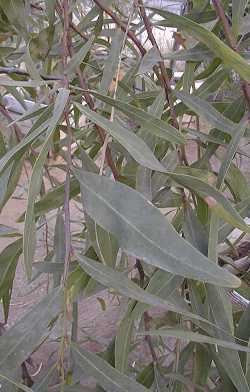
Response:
column 79, row 57
column 29, row 239
column 195, row 337
column 149, row 60
column 35, row 131
column 200, row 33
column 208, row 112
column 238, row 8
column 129, row 140
column 232, row 148
column 29, row 83
column 216, row 201
column 111, row 63
column 6, row 231
column 109, row 378
column 19, row 341
column 8, row 262
column 114, row 279
column 142, row 230
column 149, row 122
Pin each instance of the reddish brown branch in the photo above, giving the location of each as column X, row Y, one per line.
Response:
column 164, row 76
column 232, row 43
column 90, row 102
column 123, row 26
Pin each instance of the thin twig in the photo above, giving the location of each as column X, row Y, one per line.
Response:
column 107, row 138
column 18, row 71
column 233, row 44
column 122, row 25
column 165, row 81
column 146, row 316
column 91, row 104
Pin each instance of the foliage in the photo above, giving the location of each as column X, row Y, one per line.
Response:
column 146, row 165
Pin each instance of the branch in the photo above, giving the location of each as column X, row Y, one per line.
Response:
column 232, row 43
column 123, row 26
column 90, row 102
column 18, row 71
column 164, row 76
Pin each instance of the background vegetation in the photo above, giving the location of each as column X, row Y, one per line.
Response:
column 137, row 173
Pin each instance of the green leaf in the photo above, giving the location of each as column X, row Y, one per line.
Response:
column 6, row 231
column 142, row 230
column 59, row 246
column 188, row 335
column 108, row 377
column 111, row 63
column 208, row 112
column 229, row 57
column 20, row 340
column 129, row 140
column 29, row 239
column 149, row 60
column 232, row 148
column 8, row 262
column 216, row 201
column 79, row 57
column 238, row 9
column 35, row 131
column 149, row 122
column 118, row 281
column 29, row 83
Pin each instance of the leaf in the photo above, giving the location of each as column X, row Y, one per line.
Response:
column 79, row 57
column 6, row 231
column 149, row 60
column 19, row 341
column 29, row 238
column 142, row 230
column 216, row 201
column 8, row 262
column 8, row 382
column 36, row 130
column 188, row 335
column 107, row 376
column 149, row 122
column 116, row 280
column 232, row 148
column 129, row 140
column 208, row 112
column 242, row 332
column 238, row 8
column 111, row 63
column 228, row 56
column 59, row 246
column 29, row 83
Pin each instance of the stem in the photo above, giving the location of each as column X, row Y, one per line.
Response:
column 90, row 102
column 163, row 77
column 232, row 43
column 122, row 25
column 146, row 316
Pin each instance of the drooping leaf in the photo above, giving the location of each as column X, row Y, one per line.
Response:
column 196, row 337
column 20, row 340
column 143, row 230
column 108, row 377
column 29, row 239
column 200, row 33
column 135, row 146
column 108, row 277
column 111, row 63
column 149, row 122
